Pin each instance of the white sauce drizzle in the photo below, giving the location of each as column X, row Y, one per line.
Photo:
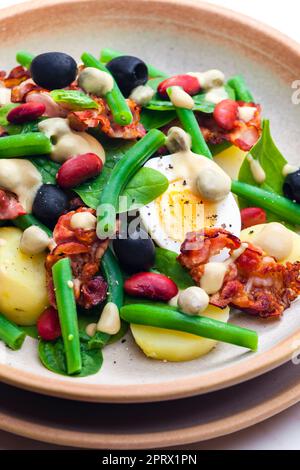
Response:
column 275, row 240
column 22, row 178
column 214, row 273
column 180, row 98
column 68, row 143
column 288, row 169
column 256, row 169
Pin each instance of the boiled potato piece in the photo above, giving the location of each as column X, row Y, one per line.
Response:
column 230, row 160
column 23, row 293
column 249, row 235
column 176, row 346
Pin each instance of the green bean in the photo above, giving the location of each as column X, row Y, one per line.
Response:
column 115, row 100
column 25, row 221
column 168, row 318
column 11, row 334
column 24, row 145
column 191, row 126
column 288, row 210
column 24, row 58
column 123, row 171
column 108, row 54
column 114, row 278
column 242, row 92
column 66, row 306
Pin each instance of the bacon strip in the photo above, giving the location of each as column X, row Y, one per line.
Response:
column 16, row 76
column 254, row 283
column 10, row 208
column 85, row 251
column 102, row 118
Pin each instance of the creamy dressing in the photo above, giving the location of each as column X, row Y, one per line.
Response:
column 109, row 322
column 214, row 272
column 67, row 143
column 216, row 95
column 22, row 178
column 34, row 240
column 246, row 113
column 180, row 98
column 275, row 240
column 256, row 169
column 95, row 81
column 288, row 169
column 83, row 220
column 142, row 94
column 189, row 166
column 5, row 96
column 209, row 79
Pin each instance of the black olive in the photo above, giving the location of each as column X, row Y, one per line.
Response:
column 53, row 70
column 49, row 204
column 129, row 72
column 135, row 253
column 291, row 186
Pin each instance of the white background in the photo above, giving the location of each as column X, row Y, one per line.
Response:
column 282, row 431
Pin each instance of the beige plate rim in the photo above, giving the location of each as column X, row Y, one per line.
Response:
column 175, row 437
column 186, row 387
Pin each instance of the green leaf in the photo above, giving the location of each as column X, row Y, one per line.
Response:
column 166, row 263
column 201, row 104
column 74, row 99
column 272, row 161
column 156, row 119
column 47, row 168
column 52, row 355
column 146, row 185
column 91, row 190
column 4, row 110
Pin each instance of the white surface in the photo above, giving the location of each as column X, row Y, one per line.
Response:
column 280, row 432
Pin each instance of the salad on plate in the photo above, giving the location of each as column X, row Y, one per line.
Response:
column 131, row 199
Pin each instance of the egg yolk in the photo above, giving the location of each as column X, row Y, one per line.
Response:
column 181, row 210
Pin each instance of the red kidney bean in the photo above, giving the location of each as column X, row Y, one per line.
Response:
column 48, row 325
column 26, row 112
column 78, row 169
column 190, row 85
column 225, row 114
column 253, row 216
column 150, row 286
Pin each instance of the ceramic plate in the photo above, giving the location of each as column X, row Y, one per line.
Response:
column 175, row 36
column 106, row 426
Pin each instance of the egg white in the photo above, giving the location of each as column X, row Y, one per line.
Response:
column 153, row 215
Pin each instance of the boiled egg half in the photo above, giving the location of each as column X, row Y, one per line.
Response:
column 181, row 209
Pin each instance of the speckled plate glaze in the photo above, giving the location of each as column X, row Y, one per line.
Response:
column 175, row 36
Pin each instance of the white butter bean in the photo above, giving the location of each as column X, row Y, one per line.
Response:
column 34, row 241
column 83, row 220
column 95, row 81
column 193, row 300
column 109, row 322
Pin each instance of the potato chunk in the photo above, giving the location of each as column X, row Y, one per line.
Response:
column 23, row 293
column 176, row 346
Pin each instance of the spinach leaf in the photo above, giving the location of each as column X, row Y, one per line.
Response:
column 74, row 98
column 52, row 356
column 271, row 160
column 47, row 168
column 91, row 190
column 146, row 185
column 201, row 104
column 166, row 263
column 155, row 119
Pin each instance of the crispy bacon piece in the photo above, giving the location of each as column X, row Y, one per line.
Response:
column 20, row 92
column 254, row 282
column 85, row 251
column 10, row 208
column 102, row 118
column 16, row 76
column 243, row 135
